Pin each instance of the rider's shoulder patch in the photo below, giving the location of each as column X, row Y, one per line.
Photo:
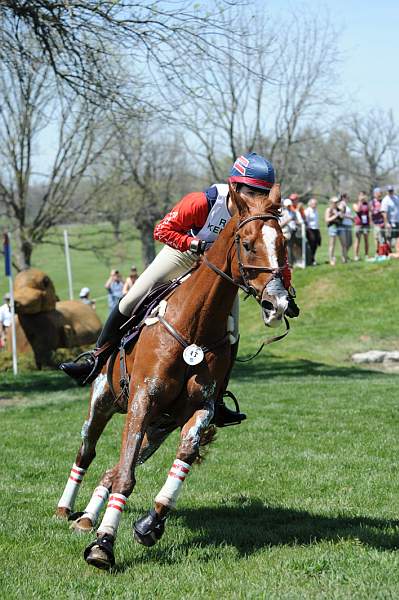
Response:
column 211, row 194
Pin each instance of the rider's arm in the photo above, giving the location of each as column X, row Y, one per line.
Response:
column 191, row 211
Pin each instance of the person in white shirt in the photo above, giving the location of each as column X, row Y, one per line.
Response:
column 390, row 212
column 345, row 229
column 289, row 225
column 5, row 320
column 312, row 229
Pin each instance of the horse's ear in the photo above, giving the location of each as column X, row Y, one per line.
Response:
column 237, row 200
column 275, row 196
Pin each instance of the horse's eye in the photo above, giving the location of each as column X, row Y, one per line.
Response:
column 247, row 246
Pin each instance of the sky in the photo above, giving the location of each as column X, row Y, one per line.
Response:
column 368, row 37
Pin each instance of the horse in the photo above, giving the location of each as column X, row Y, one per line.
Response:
column 177, row 369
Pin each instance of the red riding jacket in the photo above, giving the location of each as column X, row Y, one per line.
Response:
column 191, row 213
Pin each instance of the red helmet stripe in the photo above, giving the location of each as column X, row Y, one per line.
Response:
column 250, row 181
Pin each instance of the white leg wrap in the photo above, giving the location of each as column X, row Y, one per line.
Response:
column 97, row 501
column 72, row 487
column 169, row 494
column 112, row 516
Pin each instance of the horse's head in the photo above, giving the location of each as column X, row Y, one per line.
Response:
column 261, row 252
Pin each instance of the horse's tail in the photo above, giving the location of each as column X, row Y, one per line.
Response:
column 208, row 435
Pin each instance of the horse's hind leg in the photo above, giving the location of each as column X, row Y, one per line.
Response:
column 101, row 410
column 149, row 528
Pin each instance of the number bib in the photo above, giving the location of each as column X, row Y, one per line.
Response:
column 193, row 355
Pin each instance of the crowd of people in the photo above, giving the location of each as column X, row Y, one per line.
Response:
column 351, row 224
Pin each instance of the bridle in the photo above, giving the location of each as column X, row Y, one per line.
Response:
column 243, row 268
column 246, row 286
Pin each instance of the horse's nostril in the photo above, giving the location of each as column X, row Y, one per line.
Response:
column 266, row 305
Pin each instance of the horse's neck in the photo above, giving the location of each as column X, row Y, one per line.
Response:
column 206, row 300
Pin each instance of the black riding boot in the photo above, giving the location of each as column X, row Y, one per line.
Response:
column 86, row 371
column 225, row 416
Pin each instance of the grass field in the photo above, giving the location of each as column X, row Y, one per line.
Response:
column 300, row 501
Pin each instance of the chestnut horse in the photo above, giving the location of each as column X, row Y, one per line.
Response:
column 167, row 391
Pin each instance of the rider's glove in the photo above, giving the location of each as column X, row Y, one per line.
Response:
column 198, row 246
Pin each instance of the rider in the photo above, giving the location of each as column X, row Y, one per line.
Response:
column 187, row 230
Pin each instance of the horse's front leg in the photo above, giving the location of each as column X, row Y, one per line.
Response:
column 101, row 409
column 101, row 553
column 150, row 528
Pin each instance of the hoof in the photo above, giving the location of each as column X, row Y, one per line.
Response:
column 75, row 516
column 149, row 529
column 82, row 525
column 62, row 513
column 100, row 553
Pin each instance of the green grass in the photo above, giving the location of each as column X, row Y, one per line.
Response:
column 300, row 501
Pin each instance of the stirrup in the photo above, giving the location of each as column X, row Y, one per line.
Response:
column 224, row 416
column 86, row 372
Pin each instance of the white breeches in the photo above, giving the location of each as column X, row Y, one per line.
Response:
column 167, row 265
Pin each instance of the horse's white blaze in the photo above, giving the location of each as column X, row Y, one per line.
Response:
column 273, row 317
column 269, row 238
column 169, row 494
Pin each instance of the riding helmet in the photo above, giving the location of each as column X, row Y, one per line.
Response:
column 253, row 170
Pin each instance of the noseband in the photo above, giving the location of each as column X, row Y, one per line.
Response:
column 244, row 269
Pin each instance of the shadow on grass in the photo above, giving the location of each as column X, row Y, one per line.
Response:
column 269, row 367
column 253, row 526
column 39, row 381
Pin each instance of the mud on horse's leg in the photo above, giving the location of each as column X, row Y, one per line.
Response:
column 100, row 553
column 150, row 528
column 101, row 410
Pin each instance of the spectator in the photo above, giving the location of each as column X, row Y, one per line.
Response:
column 390, row 213
column 5, row 320
column 296, row 239
column 345, row 230
column 114, row 285
column 288, row 224
column 333, row 218
column 377, row 218
column 362, row 224
column 130, row 280
column 84, row 296
column 312, row 229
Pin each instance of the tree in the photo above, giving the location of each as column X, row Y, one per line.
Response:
column 375, row 145
column 28, row 102
column 80, row 41
column 268, row 98
column 152, row 160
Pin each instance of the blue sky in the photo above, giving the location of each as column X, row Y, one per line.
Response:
column 368, row 35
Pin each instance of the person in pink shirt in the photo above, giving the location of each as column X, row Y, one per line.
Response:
column 362, row 223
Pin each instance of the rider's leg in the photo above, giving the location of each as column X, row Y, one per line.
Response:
column 167, row 265
column 87, row 371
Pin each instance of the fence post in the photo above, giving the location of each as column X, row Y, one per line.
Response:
column 8, row 272
column 68, row 264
